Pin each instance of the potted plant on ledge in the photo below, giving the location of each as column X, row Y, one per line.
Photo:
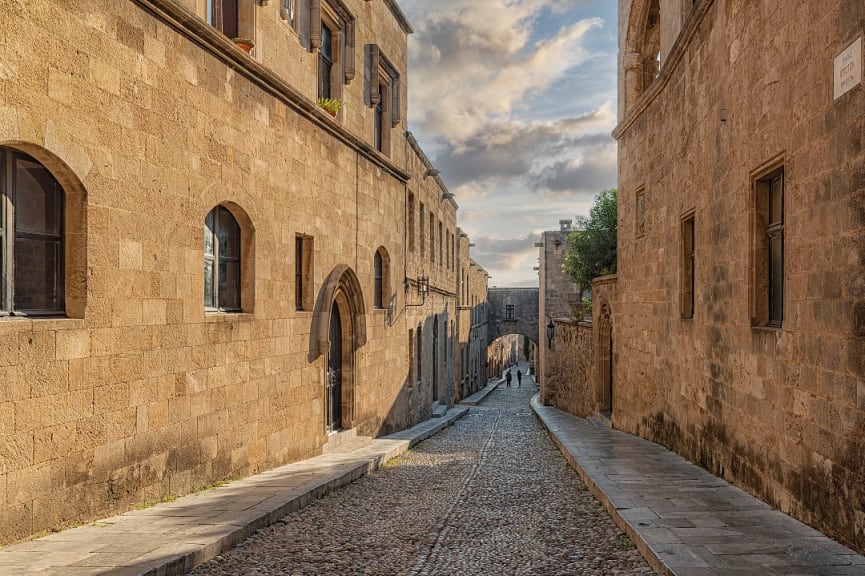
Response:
column 245, row 44
column 330, row 105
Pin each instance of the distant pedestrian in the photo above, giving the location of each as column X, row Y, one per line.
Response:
column 519, row 378
column 508, row 378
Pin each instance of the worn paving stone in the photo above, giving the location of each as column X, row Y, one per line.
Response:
column 489, row 495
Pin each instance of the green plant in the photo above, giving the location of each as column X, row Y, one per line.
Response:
column 332, row 105
column 587, row 307
column 624, row 543
column 591, row 248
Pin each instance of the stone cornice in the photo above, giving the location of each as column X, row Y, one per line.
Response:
column 400, row 16
column 676, row 54
column 186, row 23
column 412, row 141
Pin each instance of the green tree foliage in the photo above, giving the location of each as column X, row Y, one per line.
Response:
column 591, row 247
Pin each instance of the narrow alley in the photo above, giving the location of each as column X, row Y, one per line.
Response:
column 489, row 495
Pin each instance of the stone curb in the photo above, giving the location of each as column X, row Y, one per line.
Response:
column 479, row 396
column 654, row 562
column 171, row 539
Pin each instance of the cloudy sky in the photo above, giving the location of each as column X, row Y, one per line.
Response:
column 514, row 101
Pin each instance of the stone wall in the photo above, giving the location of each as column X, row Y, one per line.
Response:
column 572, row 383
column 555, row 296
column 149, row 119
column 778, row 409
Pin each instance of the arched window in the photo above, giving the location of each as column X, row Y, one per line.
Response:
column 652, row 44
column 31, row 237
column 381, row 275
column 379, row 299
column 221, row 261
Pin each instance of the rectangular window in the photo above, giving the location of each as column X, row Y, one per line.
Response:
column 298, row 273
column 775, row 234
column 510, row 312
column 411, row 356
column 441, row 245
column 222, row 15
column 687, row 267
column 421, row 234
column 419, row 354
column 303, row 250
column 432, row 238
column 767, row 258
column 326, row 63
column 640, row 210
column 411, row 224
column 287, row 12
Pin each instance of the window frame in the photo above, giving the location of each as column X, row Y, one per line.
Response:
column 687, row 266
column 215, row 15
column 378, row 280
column 303, row 267
column 217, row 259
column 510, row 312
column 775, row 234
column 10, row 236
column 411, row 222
column 767, row 293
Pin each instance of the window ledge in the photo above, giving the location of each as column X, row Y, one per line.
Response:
column 228, row 317
column 768, row 329
column 39, row 323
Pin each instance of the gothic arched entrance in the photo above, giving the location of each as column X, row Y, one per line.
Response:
column 334, row 372
column 435, row 362
column 339, row 331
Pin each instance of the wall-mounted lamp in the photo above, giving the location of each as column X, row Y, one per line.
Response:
column 447, row 195
column 551, row 334
column 557, row 242
column 431, row 172
column 422, row 284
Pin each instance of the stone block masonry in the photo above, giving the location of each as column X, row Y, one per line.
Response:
column 737, row 330
column 149, row 119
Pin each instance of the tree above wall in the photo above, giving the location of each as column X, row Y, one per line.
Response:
column 591, row 248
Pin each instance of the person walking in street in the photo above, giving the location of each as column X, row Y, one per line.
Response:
column 519, row 378
column 508, row 378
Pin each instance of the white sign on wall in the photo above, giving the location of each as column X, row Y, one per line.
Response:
column 848, row 68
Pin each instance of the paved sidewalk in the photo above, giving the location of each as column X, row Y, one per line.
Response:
column 479, row 396
column 172, row 538
column 685, row 521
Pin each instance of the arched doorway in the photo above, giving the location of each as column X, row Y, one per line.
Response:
column 339, row 331
column 435, row 361
column 334, row 372
column 605, row 362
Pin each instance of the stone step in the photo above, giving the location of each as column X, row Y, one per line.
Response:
column 602, row 419
column 439, row 410
column 345, row 441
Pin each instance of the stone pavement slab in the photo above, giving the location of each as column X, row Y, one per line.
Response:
column 174, row 537
column 684, row 520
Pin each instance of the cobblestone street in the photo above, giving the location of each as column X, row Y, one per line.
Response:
column 489, row 495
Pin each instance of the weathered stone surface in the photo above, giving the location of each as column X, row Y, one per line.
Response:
column 744, row 88
column 149, row 118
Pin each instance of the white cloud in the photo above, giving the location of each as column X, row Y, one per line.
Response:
column 494, row 96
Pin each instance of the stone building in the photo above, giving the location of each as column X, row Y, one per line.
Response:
column 737, row 321
column 203, row 274
column 473, row 337
column 556, row 294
